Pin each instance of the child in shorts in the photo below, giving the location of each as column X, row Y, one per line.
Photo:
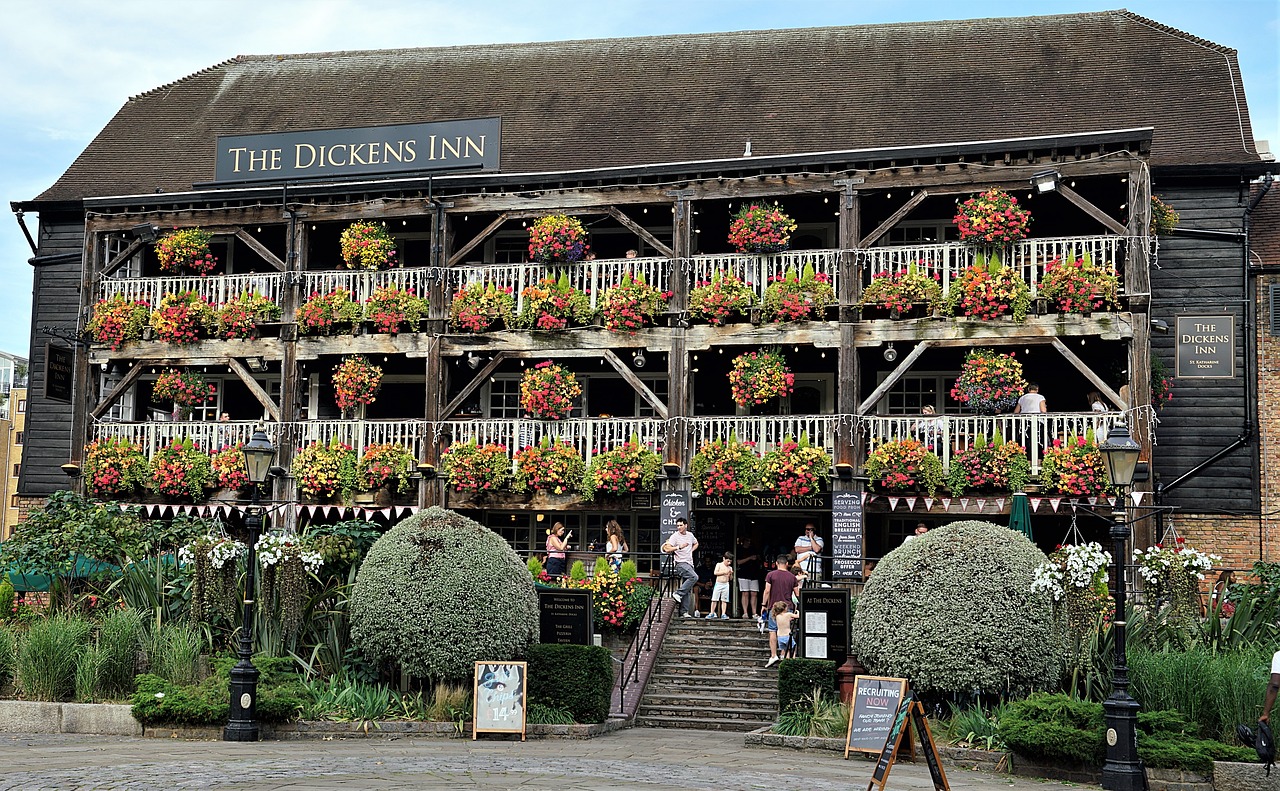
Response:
column 720, row 593
column 783, row 616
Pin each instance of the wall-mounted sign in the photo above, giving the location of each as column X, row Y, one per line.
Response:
column 673, row 505
column 59, row 369
column 361, row 151
column 846, row 534
column 808, row 501
column 1206, row 347
column 825, row 623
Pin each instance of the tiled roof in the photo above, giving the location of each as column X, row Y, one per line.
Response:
column 632, row 101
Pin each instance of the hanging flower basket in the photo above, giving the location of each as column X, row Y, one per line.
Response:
column 1074, row 468
column 181, row 472
column 356, row 382
column 548, row 390
column 239, row 318
column 761, row 228
column 903, row 290
column 1161, row 384
column 1077, row 285
column 186, row 248
column 326, row 470
column 1163, row 218
column 793, row 297
column 759, row 377
column 989, row 466
column 183, row 388
column 480, row 306
column 722, row 467
column 472, row 467
column 557, row 239
column 550, row 466
column 1174, row 570
column 368, row 245
column 115, row 467
column 228, row 467
column 182, row 318
column 1075, row 576
column 903, row 465
column 993, row 217
column 988, row 290
column 286, row 561
column 631, row 305
column 795, row 469
column 116, row 321
column 989, row 383
column 391, row 309
column 212, row 562
column 719, row 298
column 386, row 466
column 553, row 304
column 633, row 467
column 323, row 313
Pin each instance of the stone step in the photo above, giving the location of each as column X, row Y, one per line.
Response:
column 709, row 712
column 764, row 685
column 710, row 651
column 682, row 666
column 694, row 723
column 653, row 700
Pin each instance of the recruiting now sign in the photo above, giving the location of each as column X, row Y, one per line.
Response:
column 1206, row 347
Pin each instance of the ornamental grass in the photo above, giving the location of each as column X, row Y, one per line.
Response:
column 552, row 466
column 759, row 377
column 989, row 383
column 470, row 466
column 723, row 467
column 994, row 217
column 720, row 298
column 798, row 297
column 759, row 227
column 368, row 245
column 481, row 306
column 549, row 390
column 117, row 321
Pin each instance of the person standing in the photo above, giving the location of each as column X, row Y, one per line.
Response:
column 1272, row 689
column 615, row 546
column 1032, row 402
column 557, row 546
column 720, row 593
column 778, row 587
column 749, row 568
column 808, row 550
column 682, row 544
column 921, row 529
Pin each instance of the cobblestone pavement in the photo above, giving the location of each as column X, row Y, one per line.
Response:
column 650, row 760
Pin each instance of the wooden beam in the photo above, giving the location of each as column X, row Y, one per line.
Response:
column 473, row 385
column 260, row 249
column 479, row 239
column 894, row 376
column 1102, row 386
column 121, row 257
column 124, row 384
column 639, row 230
column 1091, row 210
column 633, row 380
column 239, row 370
column 894, row 218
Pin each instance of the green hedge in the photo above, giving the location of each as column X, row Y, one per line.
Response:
column 575, row 678
column 797, row 679
column 280, row 695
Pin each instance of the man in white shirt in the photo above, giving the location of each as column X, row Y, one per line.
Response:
column 1032, row 402
column 682, row 545
column 1272, row 689
column 809, row 551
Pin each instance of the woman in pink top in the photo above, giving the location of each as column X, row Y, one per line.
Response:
column 557, row 545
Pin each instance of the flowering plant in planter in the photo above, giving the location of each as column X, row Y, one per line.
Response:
column 386, row 466
column 186, row 248
column 900, row 465
column 356, row 382
column 989, row 465
column 550, row 466
column 553, row 304
column 989, row 383
column 480, row 306
column 228, row 467
column 902, row 290
column 1161, row 384
column 286, row 560
column 114, row 467
column 368, row 245
column 631, row 304
column 1077, row 285
column 476, row 467
column 321, row 312
column 1075, row 575
column 760, row 228
column 1163, row 218
column 1174, row 571
column 181, row 471
column 793, row 297
column 618, row 604
column 988, row 290
column 723, row 467
column 117, row 320
column 794, row 469
column 183, row 388
column 1074, row 467
column 633, row 467
column 557, row 239
column 183, row 318
column 239, row 317
column 757, row 377
column 720, row 297
column 548, row 390
column 326, row 469
column 391, row 308
column 993, row 217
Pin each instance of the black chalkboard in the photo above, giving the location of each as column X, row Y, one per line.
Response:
column 846, row 535
column 565, row 617
column 672, row 506
column 825, row 623
column 876, row 700
column 890, row 752
column 930, row 749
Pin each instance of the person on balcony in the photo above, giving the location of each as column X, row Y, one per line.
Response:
column 1096, row 404
column 928, row 428
column 681, row 545
column 808, row 550
column 557, row 546
column 1032, row 402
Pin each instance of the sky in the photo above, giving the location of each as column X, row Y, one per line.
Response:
column 69, row 65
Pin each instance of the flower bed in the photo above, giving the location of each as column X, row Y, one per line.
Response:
column 356, row 382
column 798, row 297
column 186, row 248
column 480, row 306
column 550, row 466
column 993, row 217
column 633, row 467
column 989, row 383
column 476, row 467
column 548, row 390
column 116, row 321
column 228, row 468
column 181, row 471
column 618, row 604
column 553, row 304
column 183, row 388
column 1074, row 467
column 368, row 245
column 1077, row 285
column 557, row 239
column 761, row 228
column 758, row 377
column 902, row 465
column 239, row 318
column 183, row 318
column 631, row 304
column 988, row 290
column 719, row 298
column 986, row 465
column 902, row 290
column 386, row 466
column 794, row 469
column 326, row 469
column 722, row 467
column 323, row 312
column 391, row 309
column 115, row 467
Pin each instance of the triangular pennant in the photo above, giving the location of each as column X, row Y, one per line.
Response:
column 864, row 498
column 1111, row 501
column 982, row 503
column 928, row 503
column 893, row 503
column 1093, row 500
column 1055, row 502
column 1137, row 497
column 999, row 503
column 911, row 503
column 946, row 503
column 1035, row 503
column 964, row 503
column 387, row 512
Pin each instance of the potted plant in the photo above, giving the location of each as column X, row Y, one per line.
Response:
column 903, row 465
column 1163, row 218
column 181, row 471
column 117, row 320
column 795, row 469
column 631, row 304
column 989, row 383
column 758, row 377
column 988, row 290
column 1174, row 571
column 722, row 467
column 717, row 299
column 550, row 466
column 632, row 467
column 391, row 308
column 994, row 217
column 183, row 318
column 368, row 245
column 557, row 239
column 1161, row 384
column 186, row 248
column 228, row 468
column 905, row 293
column 326, row 470
column 386, row 467
column 115, row 467
column 548, row 390
column 474, row 467
column 793, row 297
column 995, row 465
column 478, row 307
column 553, row 304
column 185, row 389
column 1077, row 285
column 356, row 382
column 1074, row 467
column 758, row 227
column 240, row 317
column 322, row 314
column 286, row 561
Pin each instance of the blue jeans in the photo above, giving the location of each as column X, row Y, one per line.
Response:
column 687, row 573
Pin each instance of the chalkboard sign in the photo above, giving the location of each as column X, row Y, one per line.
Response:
column 846, row 535
column 59, row 368
column 897, row 729
column 825, row 624
column 930, row 749
column 565, row 617
column 876, row 700
column 673, row 506
column 499, row 698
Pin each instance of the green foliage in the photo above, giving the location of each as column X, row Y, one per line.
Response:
column 1212, row 690
column 578, row 571
column 157, row 701
column 977, row 726
column 1166, row 740
column 575, row 678
column 601, row 568
column 8, row 654
column 342, row 700
column 800, row 679
column 535, row 567
column 47, row 657
column 438, row 592
column 69, row 527
column 627, row 571
column 927, row 615
column 818, row 714
column 1054, row 728
column 88, row 674
column 7, row 599
column 540, row 714
column 119, row 642
column 173, row 652
column 342, row 544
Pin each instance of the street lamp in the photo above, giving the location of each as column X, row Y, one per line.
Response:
column 1123, row 770
column 243, row 725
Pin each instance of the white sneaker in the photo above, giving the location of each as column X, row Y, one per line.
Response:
column 684, row 615
column 677, row 597
column 773, row 660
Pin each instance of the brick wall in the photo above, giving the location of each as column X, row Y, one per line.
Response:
column 28, row 503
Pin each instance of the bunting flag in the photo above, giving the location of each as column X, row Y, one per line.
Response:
column 1137, row 497
column 1055, row 502
column 1093, row 500
column 911, row 503
column 1111, row 501
column 1035, row 503
column 387, row 512
column 300, row 509
column 999, row 503
column 928, row 503
column 946, row 503
column 964, row 503
column 864, row 498
column 893, row 503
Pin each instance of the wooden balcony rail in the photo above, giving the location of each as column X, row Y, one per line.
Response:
column 760, row 270
column 766, row 432
column 216, row 289
column 362, row 283
column 590, row 277
column 588, row 435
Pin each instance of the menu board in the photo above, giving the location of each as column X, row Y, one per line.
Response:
column 876, row 700
column 931, row 758
column 893, row 740
column 565, row 617
column 846, row 535
column 673, row 506
column 825, row 623
column 499, row 698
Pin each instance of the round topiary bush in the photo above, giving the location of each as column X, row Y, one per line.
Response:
column 439, row 592
column 953, row 611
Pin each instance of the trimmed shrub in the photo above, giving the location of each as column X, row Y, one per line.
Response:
column 953, row 611
column 1054, row 728
column 47, row 657
column 800, row 679
column 573, row 678
column 439, row 592
column 281, row 695
column 627, row 571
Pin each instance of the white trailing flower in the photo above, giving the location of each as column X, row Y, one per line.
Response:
column 1074, row 566
column 220, row 550
column 1155, row 563
column 275, row 548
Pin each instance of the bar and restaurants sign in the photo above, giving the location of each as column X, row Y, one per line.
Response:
column 1206, row 347
column 472, row 144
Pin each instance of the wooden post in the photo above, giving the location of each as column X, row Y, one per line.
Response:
column 82, row 399
column 677, row 451
column 848, row 376
column 290, row 376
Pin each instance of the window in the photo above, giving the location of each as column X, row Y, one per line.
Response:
column 22, row 405
column 922, row 232
column 659, row 388
column 1273, row 294
column 17, row 438
column 13, row 501
column 914, row 391
column 504, row 398
column 17, row 468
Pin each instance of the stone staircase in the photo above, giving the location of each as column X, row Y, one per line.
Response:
column 710, row 675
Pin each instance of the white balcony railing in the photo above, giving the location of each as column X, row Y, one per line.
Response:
column 766, row 433
column 589, row 277
column 760, row 270
column 588, row 435
column 214, row 289
column 207, row 435
column 360, row 434
column 362, row 283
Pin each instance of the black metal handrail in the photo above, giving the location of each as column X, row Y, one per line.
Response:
column 642, row 642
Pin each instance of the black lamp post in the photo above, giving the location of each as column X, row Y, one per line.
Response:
column 243, row 725
column 1123, row 770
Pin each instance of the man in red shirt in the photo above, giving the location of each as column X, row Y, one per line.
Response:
column 778, row 586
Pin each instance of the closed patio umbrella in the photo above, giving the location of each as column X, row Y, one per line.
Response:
column 1020, row 515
